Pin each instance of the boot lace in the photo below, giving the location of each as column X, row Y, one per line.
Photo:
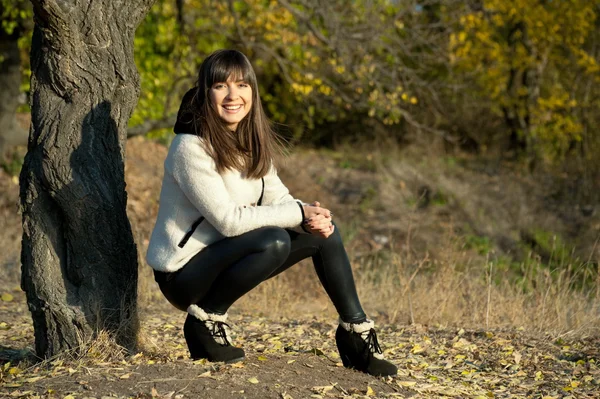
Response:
column 372, row 343
column 219, row 331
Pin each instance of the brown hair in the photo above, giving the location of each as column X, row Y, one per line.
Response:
column 253, row 146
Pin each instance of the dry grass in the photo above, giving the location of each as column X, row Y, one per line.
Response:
column 461, row 290
column 427, row 273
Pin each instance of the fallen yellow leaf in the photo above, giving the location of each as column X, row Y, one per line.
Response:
column 370, row 391
column 6, row 297
column 407, row 383
column 253, row 380
column 539, row 376
column 13, row 385
column 322, row 389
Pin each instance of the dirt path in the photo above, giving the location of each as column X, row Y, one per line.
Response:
column 297, row 359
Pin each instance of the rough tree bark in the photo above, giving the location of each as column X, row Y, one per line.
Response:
column 79, row 260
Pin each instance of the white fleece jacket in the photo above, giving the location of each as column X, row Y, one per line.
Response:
column 223, row 204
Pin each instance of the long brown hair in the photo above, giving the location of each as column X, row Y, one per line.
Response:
column 254, row 145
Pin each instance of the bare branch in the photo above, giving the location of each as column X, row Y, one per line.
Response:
column 152, row 125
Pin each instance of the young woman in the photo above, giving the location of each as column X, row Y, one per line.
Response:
column 226, row 222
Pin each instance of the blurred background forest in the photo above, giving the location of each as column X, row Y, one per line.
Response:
column 458, row 138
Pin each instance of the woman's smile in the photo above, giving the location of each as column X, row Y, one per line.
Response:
column 232, row 108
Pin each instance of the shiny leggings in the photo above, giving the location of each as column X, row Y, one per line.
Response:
column 224, row 271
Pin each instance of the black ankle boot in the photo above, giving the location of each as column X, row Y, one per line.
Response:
column 207, row 338
column 359, row 349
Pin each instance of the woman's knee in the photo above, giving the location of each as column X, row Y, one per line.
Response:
column 275, row 241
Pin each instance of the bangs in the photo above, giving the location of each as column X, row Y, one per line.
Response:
column 230, row 64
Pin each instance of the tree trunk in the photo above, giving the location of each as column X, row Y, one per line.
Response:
column 79, row 260
column 11, row 133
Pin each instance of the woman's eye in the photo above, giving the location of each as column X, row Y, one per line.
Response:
column 219, row 85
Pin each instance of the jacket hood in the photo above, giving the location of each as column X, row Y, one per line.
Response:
column 185, row 117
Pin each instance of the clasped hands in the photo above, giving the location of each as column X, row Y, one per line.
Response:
column 318, row 220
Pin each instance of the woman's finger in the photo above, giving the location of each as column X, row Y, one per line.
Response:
column 320, row 223
column 316, row 210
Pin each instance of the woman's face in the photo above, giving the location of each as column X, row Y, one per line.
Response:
column 232, row 100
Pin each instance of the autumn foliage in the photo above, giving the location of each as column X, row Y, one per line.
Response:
column 526, row 71
column 516, row 76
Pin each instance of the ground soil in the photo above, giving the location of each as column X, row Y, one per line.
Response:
column 297, row 359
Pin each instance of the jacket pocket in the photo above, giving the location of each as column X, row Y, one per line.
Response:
column 189, row 233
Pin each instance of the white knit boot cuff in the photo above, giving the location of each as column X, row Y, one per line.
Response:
column 358, row 328
column 201, row 315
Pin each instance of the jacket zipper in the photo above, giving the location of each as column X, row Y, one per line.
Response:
column 189, row 233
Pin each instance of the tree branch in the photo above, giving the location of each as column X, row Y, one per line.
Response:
column 151, row 125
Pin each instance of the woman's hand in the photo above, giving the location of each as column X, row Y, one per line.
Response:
column 315, row 209
column 318, row 220
column 320, row 225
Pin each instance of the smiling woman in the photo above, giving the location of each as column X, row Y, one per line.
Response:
column 226, row 222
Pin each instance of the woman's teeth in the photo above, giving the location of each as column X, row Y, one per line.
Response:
column 232, row 107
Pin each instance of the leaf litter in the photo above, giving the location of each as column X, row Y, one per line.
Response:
column 298, row 360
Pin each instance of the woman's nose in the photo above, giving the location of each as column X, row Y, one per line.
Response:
column 232, row 93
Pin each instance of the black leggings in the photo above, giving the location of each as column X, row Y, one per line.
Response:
column 224, row 271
